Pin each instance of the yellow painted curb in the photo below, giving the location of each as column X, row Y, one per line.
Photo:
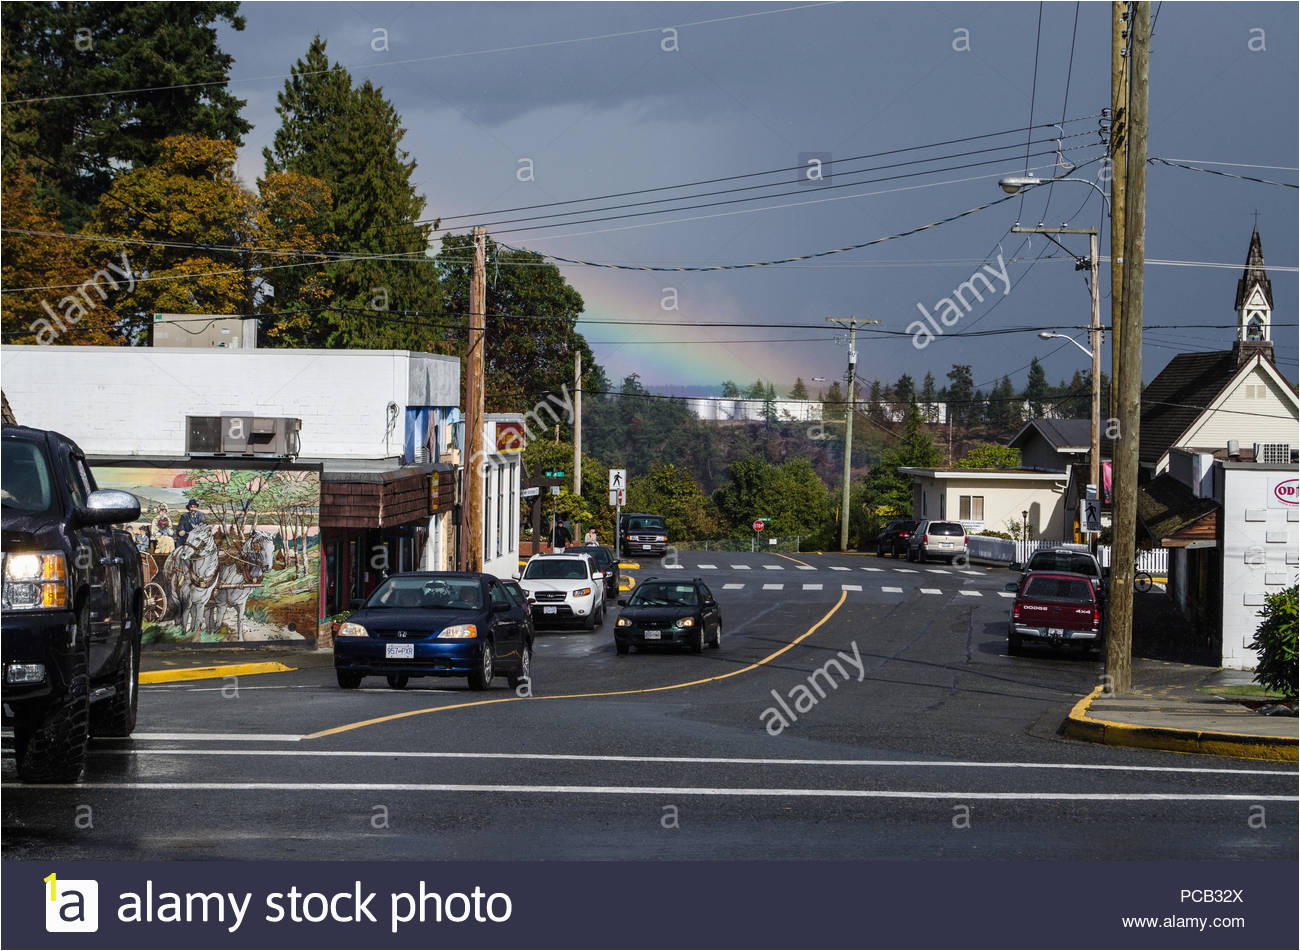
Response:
column 1080, row 726
column 209, row 673
column 629, row 565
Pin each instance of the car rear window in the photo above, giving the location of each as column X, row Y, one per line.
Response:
column 945, row 528
column 1062, row 561
column 1058, row 589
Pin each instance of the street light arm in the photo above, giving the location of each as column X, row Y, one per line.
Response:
column 1049, row 336
column 1015, row 183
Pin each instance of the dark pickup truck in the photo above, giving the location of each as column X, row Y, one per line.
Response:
column 1058, row 608
column 71, row 605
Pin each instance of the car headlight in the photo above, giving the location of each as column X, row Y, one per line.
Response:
column 459, row 632
column 352, row 630
column 685, row 622
column 36, row 580
column 661, row 538
column 581, row 592
column 622, row 622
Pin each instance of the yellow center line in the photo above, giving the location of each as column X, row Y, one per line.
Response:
column 586, row 696
column 795, row 560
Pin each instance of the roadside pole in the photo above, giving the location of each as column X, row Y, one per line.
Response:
column 1119, row 639
column 1118, row 167
column 1094, row 333
column 472, row 507
column 852, row 324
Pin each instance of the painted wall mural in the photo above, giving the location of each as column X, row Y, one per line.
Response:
column 229, row 555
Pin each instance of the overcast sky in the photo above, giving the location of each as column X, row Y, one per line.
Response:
column 756, row 92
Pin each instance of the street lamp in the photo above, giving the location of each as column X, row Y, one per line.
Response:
column 1014, row 183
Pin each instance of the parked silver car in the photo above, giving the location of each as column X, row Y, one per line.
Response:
column 935, row 539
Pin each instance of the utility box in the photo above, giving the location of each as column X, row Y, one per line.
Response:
column 243, row 434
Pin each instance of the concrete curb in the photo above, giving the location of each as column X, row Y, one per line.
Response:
column 1080, row 726
column 211, row 673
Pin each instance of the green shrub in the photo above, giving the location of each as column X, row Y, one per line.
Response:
column 1275, row 640
column 992, row 534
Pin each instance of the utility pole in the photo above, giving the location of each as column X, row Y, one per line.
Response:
column 1119, row 639
column 1118, row 167
column 852, row 324
column 577, row 434
column 1094, row 341
column 471, row 509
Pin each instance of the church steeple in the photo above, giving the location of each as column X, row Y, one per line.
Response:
column 1254, row 304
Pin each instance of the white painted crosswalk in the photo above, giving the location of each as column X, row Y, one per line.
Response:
column 812, row 587
column 930, row 591
column 732, row 587
column 773, row 587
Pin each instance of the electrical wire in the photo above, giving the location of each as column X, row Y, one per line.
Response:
column 1214, row 171
column 1033, row 97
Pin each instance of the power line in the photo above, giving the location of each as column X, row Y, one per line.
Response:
column 422, row 59
column 1214, row 171
column 1033, row 96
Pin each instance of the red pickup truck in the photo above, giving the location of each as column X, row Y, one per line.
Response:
column 1057, row 608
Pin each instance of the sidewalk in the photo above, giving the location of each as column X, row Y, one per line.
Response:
column 204, row 663
column 1166, row 711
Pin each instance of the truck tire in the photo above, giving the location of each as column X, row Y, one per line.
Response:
column 116, row 715
column 50, row 742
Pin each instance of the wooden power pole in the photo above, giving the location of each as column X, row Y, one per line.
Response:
column 577, row 422
column 1119, row 639
column 1118, row 166
column 471, row 509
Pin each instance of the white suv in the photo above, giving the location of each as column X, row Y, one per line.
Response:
column 565, row 588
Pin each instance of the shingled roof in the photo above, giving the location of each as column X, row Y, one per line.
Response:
column 1178, row 396
column 1063, row 434
column 1166, row 507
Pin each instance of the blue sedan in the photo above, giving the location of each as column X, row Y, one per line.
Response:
column 436, row 624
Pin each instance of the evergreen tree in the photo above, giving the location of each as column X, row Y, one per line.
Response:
column 904, row 392
column 929, row 397
column 350, row 138
column 799, row 391
column 875, row 402
column 730, row 390
column 833, row 407
column 769, row 405
column 961, row 391
column 78, row 143
column 886, row 493
column 1036, row 389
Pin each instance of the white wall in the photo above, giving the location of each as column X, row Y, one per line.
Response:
column 1259, row 554
column 134, row 400
column 1004, row 500
column 502, row 481
column 747, row 409
column 1258, row 410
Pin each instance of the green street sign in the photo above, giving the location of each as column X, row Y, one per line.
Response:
column 552, row 473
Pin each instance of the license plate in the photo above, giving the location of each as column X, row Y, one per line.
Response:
column 550, row 609
column 399, row 651
column 652, row 635
column 1056, row 632
column 647, row 547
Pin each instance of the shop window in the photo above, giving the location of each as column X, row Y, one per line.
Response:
column 971, row 508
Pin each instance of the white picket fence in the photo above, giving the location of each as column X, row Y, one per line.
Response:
column 1155, row 561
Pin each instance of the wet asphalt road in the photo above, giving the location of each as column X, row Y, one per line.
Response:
column 933, row 743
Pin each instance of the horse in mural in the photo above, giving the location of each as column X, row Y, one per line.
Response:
column 191, row 573
column 240, row 573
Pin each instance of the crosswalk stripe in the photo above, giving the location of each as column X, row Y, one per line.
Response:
column 838, row 568
column 906, row 571
column 851, row 587
column 971, row 594
column 933, row 571
column 775, row 567
column 892, row 590
column 740, row 567
column 1007, row 594
column 732, row 587
column 873, row 569
column 812, row 587
column 978, row 574
column 773, row 587
column 806, row 567
column 709, row 566
column 931, row 591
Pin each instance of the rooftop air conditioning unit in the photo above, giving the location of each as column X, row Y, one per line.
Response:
column 242, row 434
column 1274, row 453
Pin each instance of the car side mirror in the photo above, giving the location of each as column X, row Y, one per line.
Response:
column 1010, row 586
column 1016, row 566
column 622, row 602
column 108, row 507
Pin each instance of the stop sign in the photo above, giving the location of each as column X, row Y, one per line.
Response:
column 758, row 525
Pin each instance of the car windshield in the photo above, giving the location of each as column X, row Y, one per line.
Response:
column 665, row 594
column 421, row 592
column 1058, row 589
column 1062, row 561
column 646, row 525
column 556, row 569
column 26, row 477
column 945, row 528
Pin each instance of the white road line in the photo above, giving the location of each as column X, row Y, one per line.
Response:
column 740, row 567
column 907, row 571
column 930, row 591
column 971, row 594
column 1007, row 594
column 773, row 587
column 851, row 587
column 711, row 567
column 892, row 590
column 873, row 569
column 775, row 567
column 805, row 567
column 978, row 574
column 732, row 587
column 751, row 792
column 219, row 737
column 704, row 760
column 672, row 567
column 937, row 571
column 839, row 568
column 812, row 587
